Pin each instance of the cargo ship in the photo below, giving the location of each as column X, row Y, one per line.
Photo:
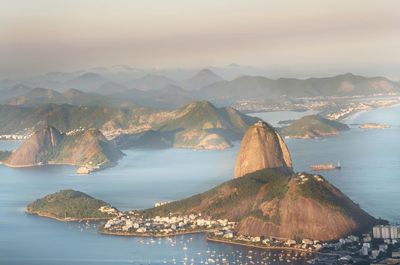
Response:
column 328, row 166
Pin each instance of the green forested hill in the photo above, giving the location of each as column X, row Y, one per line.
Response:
column 68, row 205
column 313, row 126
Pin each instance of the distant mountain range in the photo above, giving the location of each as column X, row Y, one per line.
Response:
column 154, row 90
column 39, row 96
column 88, row 82
column 258, row 87
column 202, row 79
column 151, row 82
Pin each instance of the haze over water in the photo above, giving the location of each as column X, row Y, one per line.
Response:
column 370, row 161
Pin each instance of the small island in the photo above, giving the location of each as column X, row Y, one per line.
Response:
column 374, row 126
column 70, row 205
column 313, row 126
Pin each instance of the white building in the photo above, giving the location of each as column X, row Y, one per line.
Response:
column 386, row 231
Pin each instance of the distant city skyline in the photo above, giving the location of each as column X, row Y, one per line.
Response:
column 283, row 37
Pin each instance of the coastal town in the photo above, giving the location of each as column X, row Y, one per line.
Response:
column 381, row 246
column 132, row 223
column 14, row 137
column 335, row 108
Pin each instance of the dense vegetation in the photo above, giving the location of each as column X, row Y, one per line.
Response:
column 267, row 202
column 68, row 204
column 197, row 125
column 222, row 199
column 4, row 155
column 65, row 117
column 313, row 126
column 325, row 193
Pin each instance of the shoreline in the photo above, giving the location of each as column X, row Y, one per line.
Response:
column 211, row 239
column 65, row 220
column 91, row 168
column 232, row 242
column 130, row 234
column 350, row 119
column 312, row 138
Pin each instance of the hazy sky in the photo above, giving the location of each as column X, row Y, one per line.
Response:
column 49, row 35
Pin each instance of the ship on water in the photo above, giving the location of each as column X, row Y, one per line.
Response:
column 329, row 166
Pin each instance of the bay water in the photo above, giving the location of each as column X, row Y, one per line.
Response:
column 370, row 176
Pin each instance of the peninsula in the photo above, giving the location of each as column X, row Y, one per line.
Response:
column 266, row 200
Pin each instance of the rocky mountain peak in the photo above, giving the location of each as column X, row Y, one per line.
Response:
column 262, row 147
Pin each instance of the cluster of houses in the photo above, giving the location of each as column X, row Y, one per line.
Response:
column 230, row 236
column 303, row 178
column 75, row 131
column 382, row 246
column 360, row 106
column 379, row 247
column 134, row 224
column 14, row 137
column 109, row 210
column 344, row 112
column 158, row 204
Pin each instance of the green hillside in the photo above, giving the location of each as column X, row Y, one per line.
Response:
column 199, row 125
column 68, row 205
column 4, row 155
column 267, row 203
column 220, row 201
column 313, row 126
column 67, row 117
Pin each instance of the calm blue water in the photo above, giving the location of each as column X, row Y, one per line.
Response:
column 370, row 160
column 273, row 117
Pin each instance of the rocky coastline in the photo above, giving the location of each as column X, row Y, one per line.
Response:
column 66, row 219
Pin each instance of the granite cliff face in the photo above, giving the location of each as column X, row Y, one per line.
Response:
column 266, row 198
column 49, row 146
column 262, row 147
column 34, row 150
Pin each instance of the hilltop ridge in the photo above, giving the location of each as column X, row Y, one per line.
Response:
column 199, row 125
column 313, row 126
column 70, row 205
